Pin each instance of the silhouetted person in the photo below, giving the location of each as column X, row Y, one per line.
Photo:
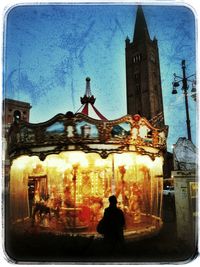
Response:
column 114, row 223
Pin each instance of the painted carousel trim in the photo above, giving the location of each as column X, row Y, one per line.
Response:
column 76, row 129
column 103, row 152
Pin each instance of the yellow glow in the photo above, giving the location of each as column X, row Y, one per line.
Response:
column 34, row 161
column 146, row 160
column 100, row 162
column 21, row 162
column 124, row 159
column 78, row 158
column 68, row 166
column 158, row 161
column 55, row 162
column 96, row 182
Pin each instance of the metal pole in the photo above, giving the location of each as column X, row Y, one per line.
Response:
column 75, row 169
column 113, row 175
column 185, row 88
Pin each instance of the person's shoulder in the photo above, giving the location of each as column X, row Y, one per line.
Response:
column 120, row 211
column 106, row 210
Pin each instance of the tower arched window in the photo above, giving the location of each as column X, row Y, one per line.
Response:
column 137, row 58
column 152, row 57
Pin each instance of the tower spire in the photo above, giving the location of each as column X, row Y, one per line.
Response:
column 141, row 29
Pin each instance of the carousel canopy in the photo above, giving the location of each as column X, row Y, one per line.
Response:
column 72, row 132
column 87, row 108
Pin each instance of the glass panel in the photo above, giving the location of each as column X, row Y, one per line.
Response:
column 57, row 127
column 87, row 130
column 121, row 130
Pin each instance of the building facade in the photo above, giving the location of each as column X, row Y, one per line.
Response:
column 13, row 110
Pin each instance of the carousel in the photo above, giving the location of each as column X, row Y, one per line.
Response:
column 63, row 171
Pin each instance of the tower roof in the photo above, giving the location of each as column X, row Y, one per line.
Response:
column 141, row 30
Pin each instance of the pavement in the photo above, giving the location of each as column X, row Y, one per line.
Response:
column 44, row 247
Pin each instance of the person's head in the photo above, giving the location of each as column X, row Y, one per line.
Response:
column 113, row 200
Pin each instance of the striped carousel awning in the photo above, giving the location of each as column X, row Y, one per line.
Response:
column 87, row 102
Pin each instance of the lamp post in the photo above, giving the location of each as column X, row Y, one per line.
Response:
column 185, row 87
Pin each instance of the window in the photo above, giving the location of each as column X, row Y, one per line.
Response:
column 137, row 58
column 9, row 119
column 152, row 57
column 17, row 115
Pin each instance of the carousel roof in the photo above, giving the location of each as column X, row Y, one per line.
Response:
column 70, row 132
column 87, row 108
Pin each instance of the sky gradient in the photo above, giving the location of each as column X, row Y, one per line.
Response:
column 51, row 49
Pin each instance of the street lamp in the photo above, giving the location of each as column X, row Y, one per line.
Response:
column 185, row 87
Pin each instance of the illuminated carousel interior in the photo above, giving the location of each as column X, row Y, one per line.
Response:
column 64, row 170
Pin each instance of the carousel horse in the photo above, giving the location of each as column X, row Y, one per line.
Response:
column 41, row 210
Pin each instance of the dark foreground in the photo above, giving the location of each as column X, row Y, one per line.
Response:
column 47, row 247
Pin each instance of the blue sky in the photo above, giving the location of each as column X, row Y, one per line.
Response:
column 51, row 49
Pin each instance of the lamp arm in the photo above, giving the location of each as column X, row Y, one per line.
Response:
column 190, row 81
column 175, row 76
column 191, row 76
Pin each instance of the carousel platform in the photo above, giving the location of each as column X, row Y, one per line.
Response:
column 149, row 226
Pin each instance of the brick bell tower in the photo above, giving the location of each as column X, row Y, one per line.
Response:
column 143, row 81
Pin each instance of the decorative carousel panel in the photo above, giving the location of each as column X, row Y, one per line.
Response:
column 83, row 131
column 57, row 127
column 27, row 134
column 144, row 134
column 121, row 130
column 87, row 130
